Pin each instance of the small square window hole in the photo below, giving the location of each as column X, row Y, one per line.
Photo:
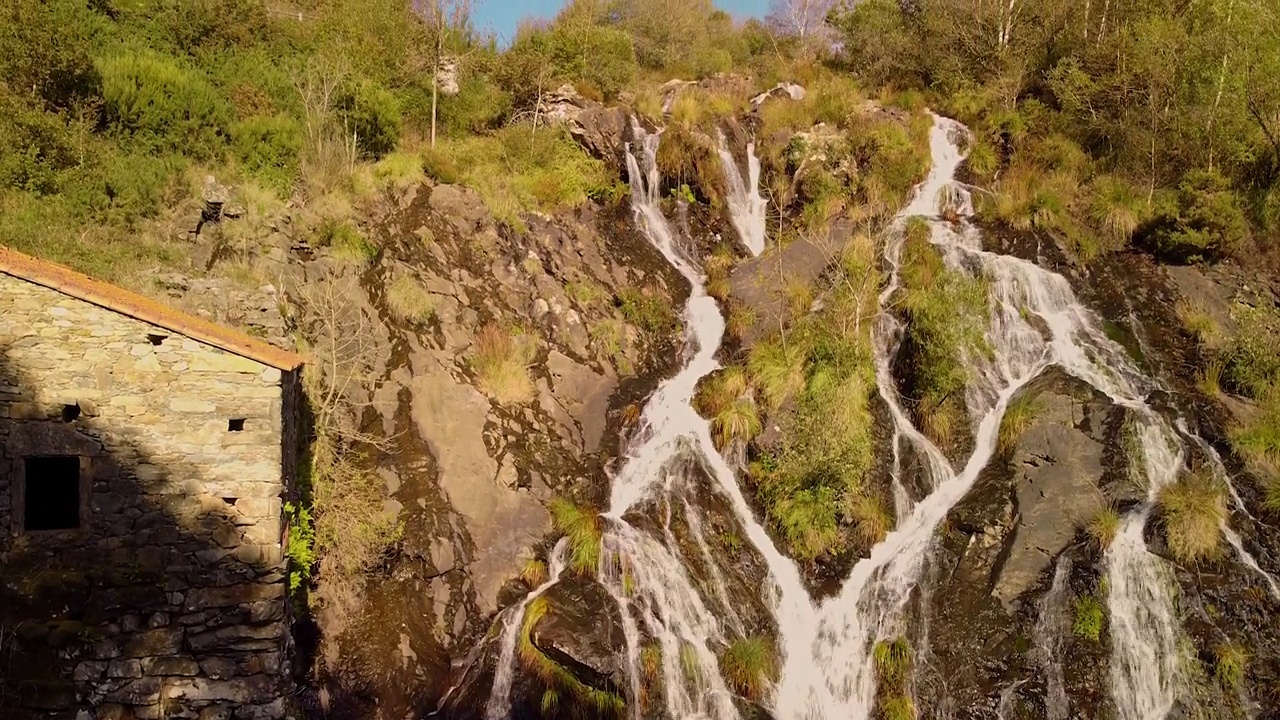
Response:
column 235, row 425
column 52, row 493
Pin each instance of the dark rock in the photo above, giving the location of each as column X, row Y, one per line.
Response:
column 583, row 632
column 602, row 131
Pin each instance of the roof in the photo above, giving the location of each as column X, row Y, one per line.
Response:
column 117, row 299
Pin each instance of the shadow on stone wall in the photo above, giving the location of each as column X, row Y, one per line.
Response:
column 167, row 604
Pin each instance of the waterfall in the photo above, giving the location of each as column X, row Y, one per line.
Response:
column 661, row 591
column 746, row 207
column 1054, row 624
column 826, row 650
column 499, row 705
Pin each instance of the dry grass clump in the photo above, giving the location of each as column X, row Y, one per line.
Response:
column 1192, row 510
column 409, row 301
column 749, row 665
column 1103, row 527
column 1197, row 321
column 501, row 360
column 872, row 518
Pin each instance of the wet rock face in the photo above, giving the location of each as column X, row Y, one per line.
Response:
column 997, row 552
column 1057, row 470
column 583, row 632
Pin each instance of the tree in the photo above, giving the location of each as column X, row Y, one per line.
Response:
column 450, row 25
column 804, row 20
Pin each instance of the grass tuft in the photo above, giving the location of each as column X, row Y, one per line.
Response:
column 584, row 529
column 749, row 665
column 738, row 421
column 897, row 707
column 893, row 662
column 1091, row 616
column 1229, row 662
column 409, row 301
column 1116, row 208
column 534, row 572
column 1103, row 527
column 1018, row 417
column 1192, row 510
column 1198, row 322
column 777, row 370
column 501, row 361
column 872, row 519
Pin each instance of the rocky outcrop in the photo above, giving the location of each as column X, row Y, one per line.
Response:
column 583, row 633
column 1057, row 467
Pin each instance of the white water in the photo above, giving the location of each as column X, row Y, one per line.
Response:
column 746, row 207
column 499, row 705
column 827, row 671
column 1052, row 628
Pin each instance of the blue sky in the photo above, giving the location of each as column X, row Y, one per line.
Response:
column 501, row 16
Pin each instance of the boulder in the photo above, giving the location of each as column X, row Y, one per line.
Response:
column 788, row 91
column 1057, row 470
column 602, row 131
column 583, row 632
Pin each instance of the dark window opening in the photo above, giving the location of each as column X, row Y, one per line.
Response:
column 156, row 338
column 70, row 412
column 52, row 498
column 230, row 501
column 235, row 425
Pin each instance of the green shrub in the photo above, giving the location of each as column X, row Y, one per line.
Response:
column 1253, row 360
column 1207, row 222
column 946, row 323
column 372, row 114
column 1091, row 616
column 1116, row 208
column 479, row 106
column 1192, row 510
column 584, row 529
column 123, row 188
column 347, row 242
column 39, row 146
column 301, row 547
column 160, row 104
column 808, row 521
column 269, row 148
column 47, row 49
column 748, row 665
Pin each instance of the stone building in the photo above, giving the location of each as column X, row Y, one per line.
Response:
column 145, row 455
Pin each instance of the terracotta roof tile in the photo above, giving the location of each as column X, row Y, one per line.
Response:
column 117, row 299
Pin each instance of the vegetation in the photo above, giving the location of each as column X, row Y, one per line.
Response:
column 1103, row 527
column 557, row 680
column 500, row 360
column 1018, row 417
column 1192, row 510
column 946, row 313
column 647, row 310
column 584, row 530
column 409, row 301
column 1077, row 108
column 1091, row 617
column 1229, row 661
column 749, row 665
column 893, row 670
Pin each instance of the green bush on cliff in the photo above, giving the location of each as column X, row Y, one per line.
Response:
column 946, row 320
column 1229, row 662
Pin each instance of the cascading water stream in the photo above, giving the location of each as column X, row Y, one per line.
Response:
column 746, row 207
column 660, row 590
column 827, row 650
column 499, row 705
column 1054, row 625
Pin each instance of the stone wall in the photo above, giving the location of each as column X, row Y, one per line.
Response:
column 170, row 600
